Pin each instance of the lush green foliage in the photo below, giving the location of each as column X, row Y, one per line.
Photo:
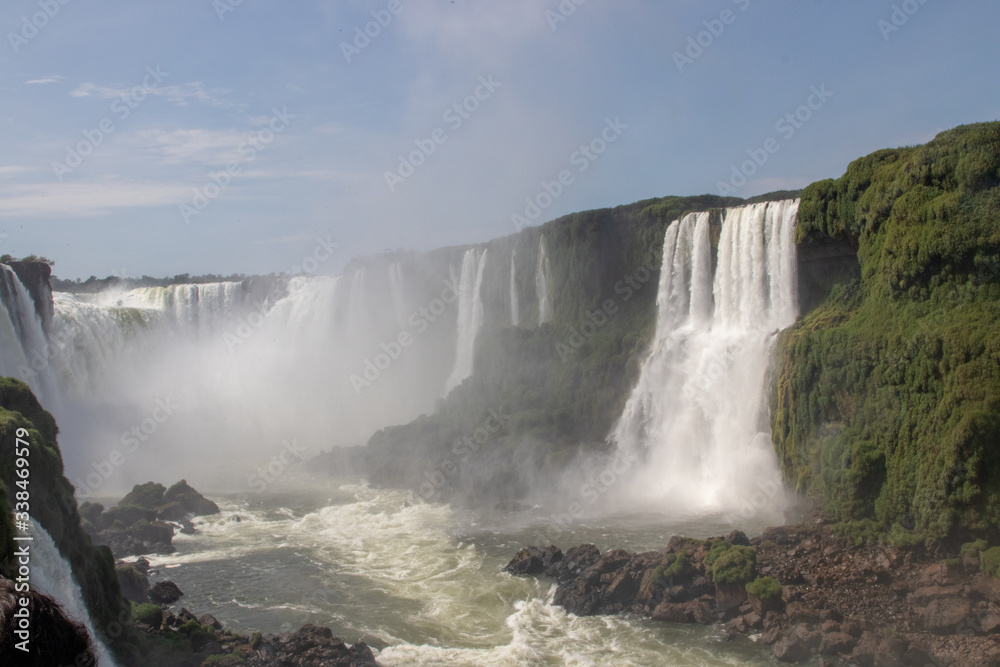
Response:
column 974, row 548
column 765, row 588
column 887, row 401
column 52, row 501
column 735, row 565
column 989, row 562
column 150, row 614
column 678, row 566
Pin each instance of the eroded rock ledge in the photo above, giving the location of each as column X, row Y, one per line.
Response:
column 818, row 596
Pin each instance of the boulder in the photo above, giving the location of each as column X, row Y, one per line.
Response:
column 188, row 501
column 837, row 643
column 133, row 582
column 533, row 560
column 945, row 615
column 798, row 645
column 167, row 592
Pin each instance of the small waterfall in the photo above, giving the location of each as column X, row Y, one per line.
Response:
column 515, row 307
column 470, row 316
column 53, row 576
column 201, row 308
column 697, row 416
column 24, row 347
column 356, row 306
column 396, row 293
column 542, row 283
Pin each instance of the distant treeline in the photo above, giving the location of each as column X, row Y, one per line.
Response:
column 94, row 284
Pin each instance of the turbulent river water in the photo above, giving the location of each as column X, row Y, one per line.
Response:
column 422, row 583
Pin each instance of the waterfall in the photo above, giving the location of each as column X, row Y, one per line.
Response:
column 53, row 576
column 356, row 302
column 697, row 417
column 470, row 316
column 396, row 293
column 515, row 308
column 24, row 347
column 542, row 283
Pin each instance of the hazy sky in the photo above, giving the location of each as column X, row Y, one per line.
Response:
column 114, row 113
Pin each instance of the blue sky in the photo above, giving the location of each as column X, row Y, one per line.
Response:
column 309, row 132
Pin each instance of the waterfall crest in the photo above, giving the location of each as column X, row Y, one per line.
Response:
column 697, row 418
column 470, row 316
column 542, row 283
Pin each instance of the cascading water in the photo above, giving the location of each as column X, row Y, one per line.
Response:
column 542, row 283
column 356, row 302
column 470, row 316
column 53, row 576
column 24, row 348
column 396, row 293
column 515, row 307
column 696, row 417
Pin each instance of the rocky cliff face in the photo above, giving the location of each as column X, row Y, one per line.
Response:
column 52, row 503
column 36, row 278
column 887, row 398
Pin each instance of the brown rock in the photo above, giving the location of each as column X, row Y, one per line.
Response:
column 798, row 645
column 837, row 643
column 891, row 652
column 943, row 616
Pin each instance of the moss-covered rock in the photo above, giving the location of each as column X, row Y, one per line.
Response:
column 52, row 503
column 887, row 400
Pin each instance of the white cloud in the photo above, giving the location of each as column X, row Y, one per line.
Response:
column 49, row 79
column 213, row 147
column 181, row 94
column 87, row 199
column 13, row 170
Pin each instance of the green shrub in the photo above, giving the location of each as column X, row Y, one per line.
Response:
column 736, row 565
column 716, row 549
column 765, row 588
column 989, row 562
column 150, row 614
column 973, row 549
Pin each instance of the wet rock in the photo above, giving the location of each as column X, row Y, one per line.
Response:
column 798, row 645
column 167, row 592
column 533, row 560
column 133, row 582
column 837, row 643
column 210, row 621
column 944, row 616
column 738, row 538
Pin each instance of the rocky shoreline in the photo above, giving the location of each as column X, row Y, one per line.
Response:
column 819, row 597
column 142, row 523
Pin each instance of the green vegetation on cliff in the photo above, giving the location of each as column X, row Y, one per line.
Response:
column 51, row 502
column 887, row 400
